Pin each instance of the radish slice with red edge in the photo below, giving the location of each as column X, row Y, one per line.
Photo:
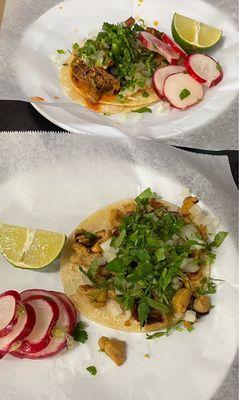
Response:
column 161, row 74
column 182, row 91
column 47, row 314
column 175, row 46
column 9, row 302
column 59, row 334
column 71, row 308
column 204, row 69
column 154, row 44
column 23, row 327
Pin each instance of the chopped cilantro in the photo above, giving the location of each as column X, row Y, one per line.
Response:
column 219, row 238
column 92, row 370
column 167, row 332
column 143, row 110
column 184, row 93
column 151, row 250
column 118, row 45
column 79, row 333
column 61, row 51
column 143, row 312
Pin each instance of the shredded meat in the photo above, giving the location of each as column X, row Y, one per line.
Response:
column 114, row 348
column 94, row 81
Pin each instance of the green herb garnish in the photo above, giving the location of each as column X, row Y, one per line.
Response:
column 118, row 45
column 151, row 248
column 184, row 93
column 219, row 238
column 79, row 333
column 61, row 51
column 92, row 370
column 143, row 110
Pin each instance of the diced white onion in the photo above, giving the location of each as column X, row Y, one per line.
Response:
column 188, row 232
column 176, row 283
column 109, row 253
column 189, row 266
column 190, row 316
column 114, row 308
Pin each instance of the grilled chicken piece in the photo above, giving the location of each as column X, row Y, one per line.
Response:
column 114, row 348
column 202, row 304
column 94, row 82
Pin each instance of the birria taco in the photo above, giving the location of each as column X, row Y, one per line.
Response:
column 140, row 265
column 112, row 72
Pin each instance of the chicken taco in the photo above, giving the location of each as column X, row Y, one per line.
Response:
column 140, row 265
column 113, row 72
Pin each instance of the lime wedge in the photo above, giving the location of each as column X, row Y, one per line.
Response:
column 194, row 36
column 29, row 248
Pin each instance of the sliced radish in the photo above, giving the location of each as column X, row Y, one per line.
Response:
column 204, row 69
column 71, row 308
column 9, row 302
column 24, row 326
column 59, row 334
column 182, row 91
column 161, row 74
column 47, row 314
column 154, row 44
column 175, row 46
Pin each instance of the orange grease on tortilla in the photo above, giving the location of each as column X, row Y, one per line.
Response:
column 37, row 98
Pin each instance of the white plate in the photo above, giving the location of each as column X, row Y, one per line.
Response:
column 74, row 19
column 52, row 181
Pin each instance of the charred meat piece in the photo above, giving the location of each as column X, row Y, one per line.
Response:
column 94, row 82
column 154, row 32
column 114, row 348
column 154, row 317
column 129, row 22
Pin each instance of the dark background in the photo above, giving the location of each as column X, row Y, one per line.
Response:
column 21, row 116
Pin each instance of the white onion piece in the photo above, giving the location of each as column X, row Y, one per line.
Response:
column 114, row 308
column 188, row 232
column 176, row 283
column 109, row 252
column 190, row 316
column 189, row 266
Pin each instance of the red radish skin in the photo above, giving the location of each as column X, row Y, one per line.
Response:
column 66, row 318
column 154, row 44
column 175, row 84
column 175, row 46
column 161, row 74
column 71, row 308
column 24, row 326
column 47, row 314
column 64, row 324
column 9, row 303
column 204, row 69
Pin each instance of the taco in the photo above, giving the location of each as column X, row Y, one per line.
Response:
column 112, row 72
column 140, row 265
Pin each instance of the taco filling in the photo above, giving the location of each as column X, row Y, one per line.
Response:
column 113, row 67
column 143, row 265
